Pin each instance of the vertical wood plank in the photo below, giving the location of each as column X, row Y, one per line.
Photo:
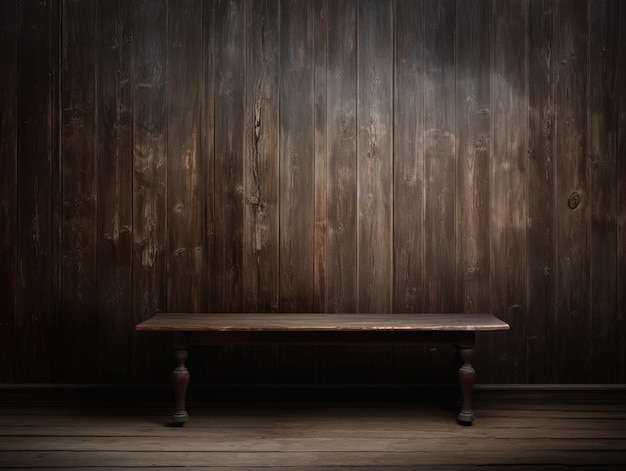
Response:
column 229, row 163
column 185, row 168
column 408, row 158
column 115, row 178
column 540, row 244
column 603, row 184
column 473, row 155
column 573, row 319
column 621, row 192
column 8, row 186
column 208, row 146
column 508, row 189
column 297, row 159
column 342, row 187
column 149, row 181
column 439, row 154
column 320, row 51
column 375, row 155
column 33, row 317
column 261, row 154
column 78, row 97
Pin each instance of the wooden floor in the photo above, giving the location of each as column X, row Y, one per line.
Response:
column 512, row 431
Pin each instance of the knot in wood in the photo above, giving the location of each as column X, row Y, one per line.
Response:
column 573, row 200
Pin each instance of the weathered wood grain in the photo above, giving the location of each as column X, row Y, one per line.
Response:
column 8, row 185
column 573, row 200
column 439, row 155
column 473, row 143
column 342, row 173
column 114, row 191
column 408, row 158
column 229, row 195
column 185, row 166
column 297, row 157
column 602, row 180
column 621, row 199
column 190, row 322
column 261, row 155
column 207, row 132
column 508, row 188
column 33, row 339
column 320, row 61
column 375, row 155
column 540, row 223
column 149, row 179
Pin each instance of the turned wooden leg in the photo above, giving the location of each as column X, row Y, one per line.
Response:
column 180, row 381
column 467, row 378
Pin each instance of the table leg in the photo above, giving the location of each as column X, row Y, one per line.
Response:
column 467, row 378
column 180, row 381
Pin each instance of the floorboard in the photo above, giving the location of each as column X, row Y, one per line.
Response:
column 512, row 431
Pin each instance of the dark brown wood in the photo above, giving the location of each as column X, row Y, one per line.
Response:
column 311, row 329
column 189, row 322
column 473, row 140
column 149, row 178
column 180, row 381
column 207, row 132
column 114, row 192
column 8, row 185
column 261, row 154
column 185, row 165
column 621, row 200
column 543, row 432
column 297, row 164
column 78, row 144
column 375, row 155
column 342, row 177
column 33, row 340
column 497, row 170
column 573, row 319
column 320, row 62
column 602, row 181
column 540, row 230
column 408, row 159
column 508, row 187
column 467, row 378
column 229, row 164
column 439, row 155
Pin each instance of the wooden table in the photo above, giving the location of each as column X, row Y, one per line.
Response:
column 323, row 329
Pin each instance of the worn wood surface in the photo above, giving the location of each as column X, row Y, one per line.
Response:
column 311, row 321
column 297, row 162
column 114, row 192
column 439, row 155
column 33, row 333
column 511, row 432
column 317, row 156
column 602, row 181
column 621, row 203
column 473, row 139
column 341, row 181
column 185, row 165
column 375, row 155
column 508, row 184
column 261, row 128
column 540, row 224
column 149, row 178
column 573, row 199
column 8, row 183
column 408, row 159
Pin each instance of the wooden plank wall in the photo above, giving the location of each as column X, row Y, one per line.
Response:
column 318, row 155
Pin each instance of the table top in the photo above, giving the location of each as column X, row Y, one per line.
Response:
column 308, row 322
